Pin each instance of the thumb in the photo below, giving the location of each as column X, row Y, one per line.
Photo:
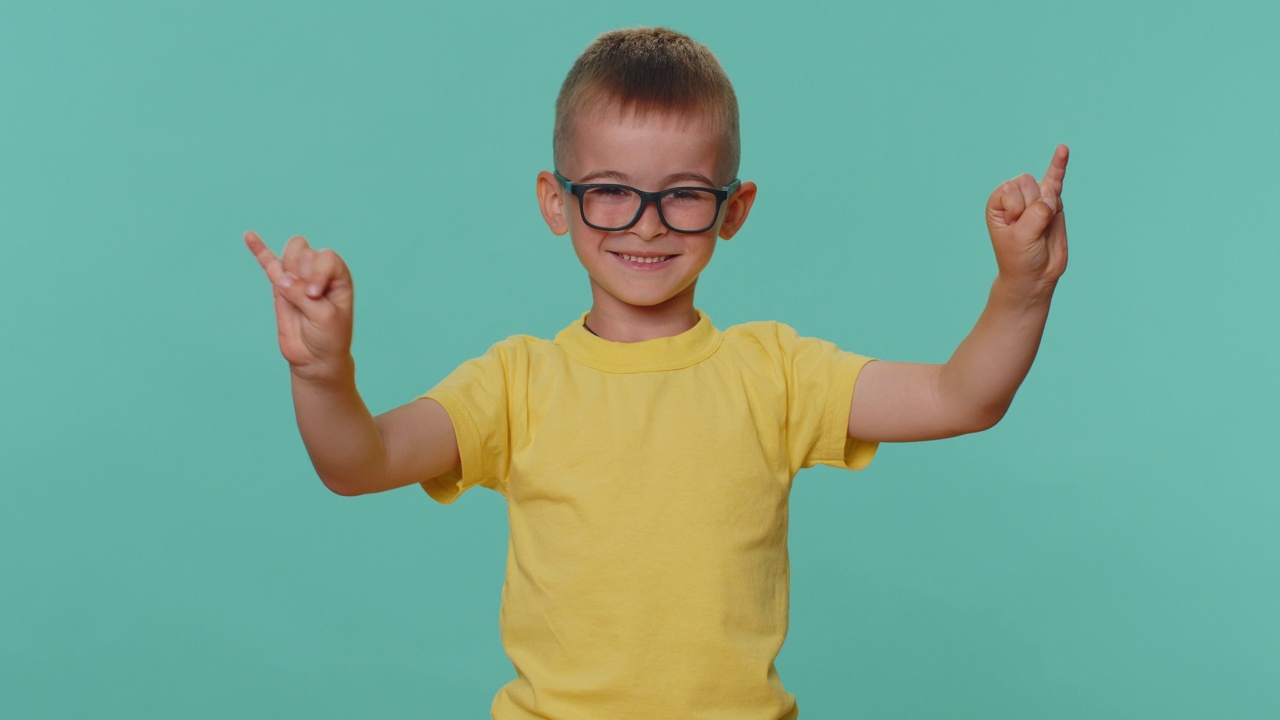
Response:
column 1036, row 218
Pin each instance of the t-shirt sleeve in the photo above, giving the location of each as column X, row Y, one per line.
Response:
column 476, row 397
column 820, row 379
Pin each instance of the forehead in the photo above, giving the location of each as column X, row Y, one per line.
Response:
column 643, row 145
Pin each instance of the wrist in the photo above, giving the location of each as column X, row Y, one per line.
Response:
column 1016, row 292
column 341, row 371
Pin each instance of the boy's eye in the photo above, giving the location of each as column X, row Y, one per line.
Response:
column 609, row 191
column 689, row 195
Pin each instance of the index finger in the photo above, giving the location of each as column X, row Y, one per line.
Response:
column 1057, row 168
column 266, row 258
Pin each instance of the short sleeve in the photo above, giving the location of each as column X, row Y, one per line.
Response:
column 820, row 379
column 475, row 396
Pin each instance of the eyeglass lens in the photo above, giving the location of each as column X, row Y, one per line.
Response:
column 685, row 209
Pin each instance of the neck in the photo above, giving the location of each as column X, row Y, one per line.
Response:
column 620, row 322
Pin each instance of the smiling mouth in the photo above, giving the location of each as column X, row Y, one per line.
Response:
column 646, row 260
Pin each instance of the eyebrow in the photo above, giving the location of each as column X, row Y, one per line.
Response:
column 624, row 178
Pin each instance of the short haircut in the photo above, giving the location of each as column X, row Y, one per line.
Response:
column 644, row 70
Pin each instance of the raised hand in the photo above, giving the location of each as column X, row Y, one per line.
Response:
column 314, row 302
column 1029, row 230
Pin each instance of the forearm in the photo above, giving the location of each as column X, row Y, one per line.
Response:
column 979, row 381
column 344, row 443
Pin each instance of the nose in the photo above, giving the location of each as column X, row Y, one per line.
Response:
column 650, row 225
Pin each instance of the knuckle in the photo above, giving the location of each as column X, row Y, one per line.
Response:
column 327, row 259
column 295, row 291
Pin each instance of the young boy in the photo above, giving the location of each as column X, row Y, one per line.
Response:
column 646, row 456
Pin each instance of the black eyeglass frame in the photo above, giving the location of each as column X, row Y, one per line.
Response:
column 580, row 189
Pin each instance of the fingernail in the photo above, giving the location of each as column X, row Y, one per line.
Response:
column 313, row 290
column 286, row 280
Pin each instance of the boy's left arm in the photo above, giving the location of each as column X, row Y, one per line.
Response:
column 899, row 402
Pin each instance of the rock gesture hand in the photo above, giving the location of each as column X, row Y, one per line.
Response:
column 1029, row 231
column 314, row 302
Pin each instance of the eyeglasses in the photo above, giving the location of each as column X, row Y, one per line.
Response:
column 611, row 207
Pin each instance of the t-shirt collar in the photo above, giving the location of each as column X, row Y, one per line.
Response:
column 667, row 353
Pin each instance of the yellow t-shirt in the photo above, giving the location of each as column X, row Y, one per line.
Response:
column 647, row 572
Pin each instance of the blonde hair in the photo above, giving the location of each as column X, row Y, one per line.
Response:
column 645, row 70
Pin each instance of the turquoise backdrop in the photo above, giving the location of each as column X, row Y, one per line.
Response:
column 1109, row 551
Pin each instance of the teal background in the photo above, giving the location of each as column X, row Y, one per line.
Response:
column 1108, row 551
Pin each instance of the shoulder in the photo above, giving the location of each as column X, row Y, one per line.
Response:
column 768, row 334
column 753, row 332
column 761, row 343
column 481, row 381
column 521, row 344
column 502, row 359
column 518, row 346
column 782, row 343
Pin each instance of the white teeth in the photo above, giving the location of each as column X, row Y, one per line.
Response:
column 645, row 260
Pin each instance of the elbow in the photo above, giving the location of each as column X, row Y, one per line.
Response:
column 978, row 420
column 987, row 419
column 345, row 489
column 987, row 423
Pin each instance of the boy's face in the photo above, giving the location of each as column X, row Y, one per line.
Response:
column 647, row 264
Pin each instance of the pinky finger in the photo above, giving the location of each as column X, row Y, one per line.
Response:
column 267, row 259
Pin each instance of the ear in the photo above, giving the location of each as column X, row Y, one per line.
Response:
column 551, row 202
column 738, row 206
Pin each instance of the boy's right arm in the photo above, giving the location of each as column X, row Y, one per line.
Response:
column 352, row 451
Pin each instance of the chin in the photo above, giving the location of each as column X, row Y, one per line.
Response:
column 650, row 298
column 640, row 302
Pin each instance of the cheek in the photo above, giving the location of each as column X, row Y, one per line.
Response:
column 586, row 241
column 702, row 250
column 573, row 217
